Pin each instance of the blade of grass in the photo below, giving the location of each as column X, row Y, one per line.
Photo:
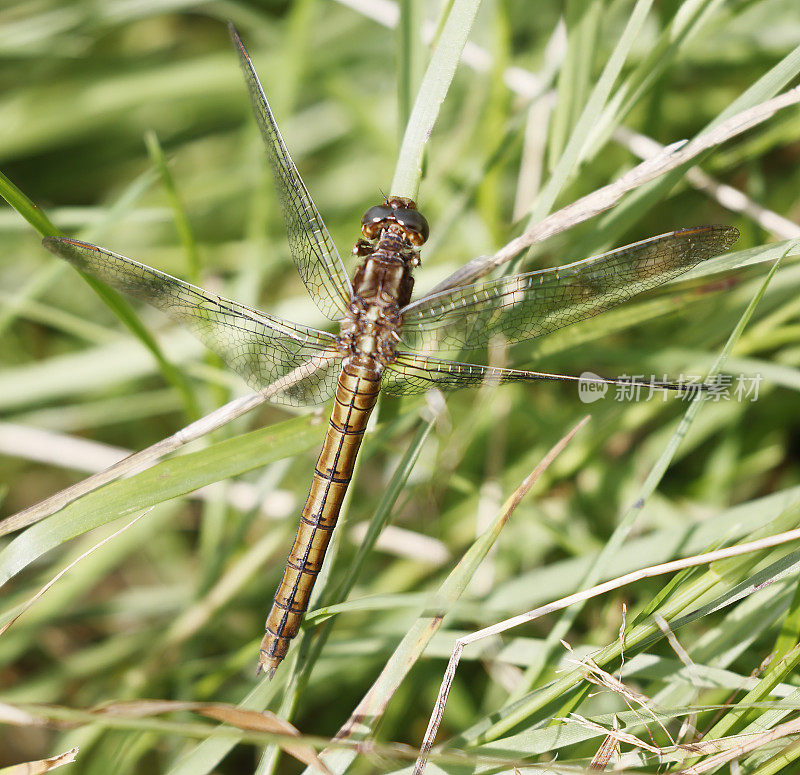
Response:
column 42, row 765
column 26, row 208
column 573, row 152
column 678, row 156
column 46, row 277
column 182, row 225
column 163, row 481
column 14, row 615
column 693, row 17
column 432, row 91
column 583, row 22
column 410, row 56
column 786, row 567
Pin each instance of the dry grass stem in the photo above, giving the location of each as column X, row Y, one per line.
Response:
column 580, row 597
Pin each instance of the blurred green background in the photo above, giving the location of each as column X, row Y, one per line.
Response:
column 173, row 608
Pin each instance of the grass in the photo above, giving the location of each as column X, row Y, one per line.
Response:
column 131, row 128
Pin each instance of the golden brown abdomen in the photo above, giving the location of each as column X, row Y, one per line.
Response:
column 356, row 394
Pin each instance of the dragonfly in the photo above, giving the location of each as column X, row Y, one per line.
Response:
column 386, row 340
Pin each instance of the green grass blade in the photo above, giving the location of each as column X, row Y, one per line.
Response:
column 572, row 155
column 163, row 481
column 26, row 208
column 434, row 87
column 182, row 225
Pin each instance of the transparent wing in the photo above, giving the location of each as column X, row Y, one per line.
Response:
column 300, row 363
column 529, row 305
column 312, row 248
column 412, row 374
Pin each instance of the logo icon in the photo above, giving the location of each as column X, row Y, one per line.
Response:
column 591, row 387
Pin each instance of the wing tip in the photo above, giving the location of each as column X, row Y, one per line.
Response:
column 237, row 41
column 729, row 234
column 732, row 235
column 51, row 241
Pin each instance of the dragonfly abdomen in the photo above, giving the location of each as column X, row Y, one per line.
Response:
column 356, row 395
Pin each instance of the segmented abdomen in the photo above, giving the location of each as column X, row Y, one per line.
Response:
column 356, row 394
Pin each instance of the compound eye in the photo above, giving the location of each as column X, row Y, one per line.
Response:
column 413, row 221
column 373, row 218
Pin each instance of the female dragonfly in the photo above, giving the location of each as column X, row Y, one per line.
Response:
column 386, row 341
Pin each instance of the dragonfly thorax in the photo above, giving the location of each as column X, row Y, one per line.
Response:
column 382, row 285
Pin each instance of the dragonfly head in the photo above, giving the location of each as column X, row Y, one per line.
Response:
column 396, row 211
